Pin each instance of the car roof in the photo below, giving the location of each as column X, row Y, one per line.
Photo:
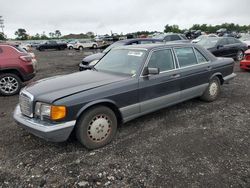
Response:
column 157, row 45
column 138, row 39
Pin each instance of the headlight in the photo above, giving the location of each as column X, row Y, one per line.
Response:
column 47, row 111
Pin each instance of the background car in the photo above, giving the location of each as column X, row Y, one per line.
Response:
column 202, row 37
column 246, row 39
column 71, row 44
column 245, row 63
column 92, row 59
column 167, row 37
column 224, row 47
column 16, row 67
column 51, row 44
column 80, row 45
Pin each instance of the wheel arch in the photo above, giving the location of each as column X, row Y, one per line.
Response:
column 219, row 75
column 105, row 102
column 13, row 71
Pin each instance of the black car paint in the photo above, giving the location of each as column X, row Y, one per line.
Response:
column 224, row 48
column 78, row 91
column 52, row 45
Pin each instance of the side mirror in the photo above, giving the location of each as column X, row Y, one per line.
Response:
column 85, row 67
column 150, row 71
column 219, row 46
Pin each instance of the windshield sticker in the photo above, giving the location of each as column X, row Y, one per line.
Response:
column 134, row 53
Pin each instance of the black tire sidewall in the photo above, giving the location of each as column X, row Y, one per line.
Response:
column 18, row 81
column 83, row 122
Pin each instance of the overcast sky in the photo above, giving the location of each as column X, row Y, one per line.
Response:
column 102, row 16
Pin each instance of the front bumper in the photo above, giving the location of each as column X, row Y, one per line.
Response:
column 51, row 132
column 245, row 64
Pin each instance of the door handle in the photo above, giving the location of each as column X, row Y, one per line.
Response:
column 175, row 76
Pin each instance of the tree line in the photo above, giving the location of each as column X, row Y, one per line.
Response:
column 209, row 28
column 21, row 34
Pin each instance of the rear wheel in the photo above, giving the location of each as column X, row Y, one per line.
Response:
column 70, row 48
column 94, row 46
column 213, row 90
column 239, row 55
column 96, row 127
column 80, row 48
column 10, row 84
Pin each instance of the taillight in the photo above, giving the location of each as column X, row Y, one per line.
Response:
column 26, row 58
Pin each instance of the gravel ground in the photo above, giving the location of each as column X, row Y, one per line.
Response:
column 192, row 144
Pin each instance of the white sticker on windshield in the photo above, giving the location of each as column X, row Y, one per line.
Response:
column 134, row 53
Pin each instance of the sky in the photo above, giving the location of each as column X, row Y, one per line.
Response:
column 118, row 16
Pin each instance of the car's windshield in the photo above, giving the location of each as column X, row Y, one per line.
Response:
column 122, row 61
column 116, row 44
column 208, row 42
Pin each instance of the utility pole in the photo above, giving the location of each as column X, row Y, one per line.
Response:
column 2, row 23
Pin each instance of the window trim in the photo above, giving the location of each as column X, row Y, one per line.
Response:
column 201, row 54
column 149, row 56
column 179, row 68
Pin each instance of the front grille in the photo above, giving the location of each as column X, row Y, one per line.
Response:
column 26, row 103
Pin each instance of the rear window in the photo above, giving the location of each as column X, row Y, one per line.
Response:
column 185, row 56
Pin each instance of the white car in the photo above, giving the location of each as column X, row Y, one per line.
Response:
column 71, row 44
column 246, row 39
column 25, row 46
column 80, row 45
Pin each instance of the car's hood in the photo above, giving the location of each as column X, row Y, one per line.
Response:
column 51, row 89
column 93, row 57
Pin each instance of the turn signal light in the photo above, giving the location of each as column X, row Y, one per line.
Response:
column 57, row 112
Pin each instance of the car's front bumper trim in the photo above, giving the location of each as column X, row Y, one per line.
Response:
column 51, row 132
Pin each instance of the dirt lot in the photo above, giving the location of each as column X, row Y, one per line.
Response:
column 193, row 144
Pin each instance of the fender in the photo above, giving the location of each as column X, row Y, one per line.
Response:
column 96, row 103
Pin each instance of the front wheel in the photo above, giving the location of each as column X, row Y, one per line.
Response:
column 81, row 48
column 213, row 90
column 10, row 84
column 96, row 127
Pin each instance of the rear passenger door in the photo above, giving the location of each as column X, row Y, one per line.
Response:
column 158, row 91
column 194, row 72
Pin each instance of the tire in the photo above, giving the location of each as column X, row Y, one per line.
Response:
column 10, row 84
column 81, row 48
column 94, row 46
column 41, row 49
column 70, row 48
column 213, row 90
column 96, row 127
column 239, row 55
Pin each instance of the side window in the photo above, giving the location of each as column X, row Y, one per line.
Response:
column 146, row 42
column 175, row 37
column 185, row 56
column 231, row 41
column 200, row 57
column 167, row 38
column 161, row 59
column 223, row 42
column 133, row 43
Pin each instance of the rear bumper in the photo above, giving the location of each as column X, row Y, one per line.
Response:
column 245, row 64
column 229, row 77
column 50, row 132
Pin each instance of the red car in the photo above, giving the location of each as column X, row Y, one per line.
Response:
column 16, row 67
column 245, row 63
